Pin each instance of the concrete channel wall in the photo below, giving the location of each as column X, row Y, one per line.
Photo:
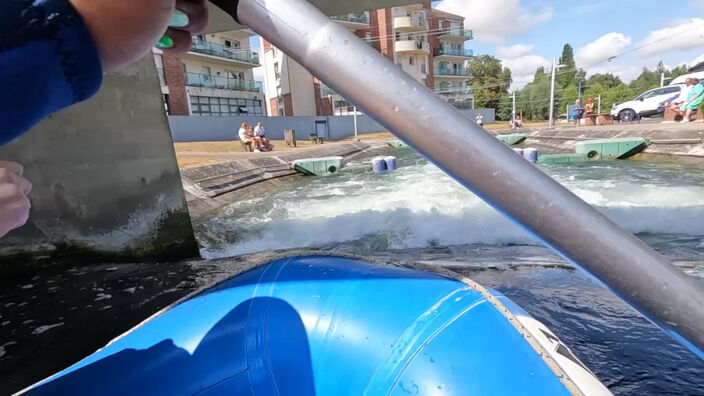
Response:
column 666, row 138
column 215, row 129
column 105, row 177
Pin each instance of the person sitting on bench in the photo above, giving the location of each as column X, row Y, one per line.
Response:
column 248, row 139
column 694, row 99
column 260, row 133
column 589, row 107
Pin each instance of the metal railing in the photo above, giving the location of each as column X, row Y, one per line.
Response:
column 463, row 104
column 220, row 82
column 208, row 48
column 459, row 32
column 354, row 17
column 454, row 52
column 328, row 92
column 453, row 72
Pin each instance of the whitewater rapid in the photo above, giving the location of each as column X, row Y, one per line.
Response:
column 418, row 206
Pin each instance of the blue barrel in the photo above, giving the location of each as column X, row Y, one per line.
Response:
column 379, row 164
column 531, row 155
column 390, row 163
column 519, row 151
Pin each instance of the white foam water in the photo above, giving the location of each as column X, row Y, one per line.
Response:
column 419, row 206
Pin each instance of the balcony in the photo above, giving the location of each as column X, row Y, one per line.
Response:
column 412, row 47
column 463, row 104
column 219, row 50
column 410, row 24
column 220, row 82
column 358, row 18
column 453, row 53
column 453, row 72
column 456, row 34
column 327, row 91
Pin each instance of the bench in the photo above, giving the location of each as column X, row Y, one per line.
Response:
column 673, row 115
column 316, row 139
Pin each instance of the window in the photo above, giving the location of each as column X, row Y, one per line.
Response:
column 398, row 36
column 410, row 61
column 232, row 44
column 277, row 75
column 228, row 43
column 184, row 68
column 672, row 90
column 423, row 68
column 235, row 75
column 201, row 37
column 206, row 70
column 226, row 107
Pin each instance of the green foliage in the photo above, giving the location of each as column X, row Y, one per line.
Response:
column 606, row 80
column 490, row 81
column 570, row 95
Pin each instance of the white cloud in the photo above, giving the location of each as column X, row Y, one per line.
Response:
column 603, row 48
column 259, row 73
column 496, row 23
column 684, row 34
column 522, row 62
column 697, row 4
column 626, row 73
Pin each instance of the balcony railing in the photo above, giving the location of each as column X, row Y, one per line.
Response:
column 354, row 18
column 453, row 72
column 463, row 104
column 454, row 52
column 220, row 82
column 459, row 32
column 328, row 92
column 208, row 48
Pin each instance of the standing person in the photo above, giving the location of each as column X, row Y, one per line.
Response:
column 694, row 99
column 480, row 120
column 578, row 111
column 248, row 139
column 260, row 133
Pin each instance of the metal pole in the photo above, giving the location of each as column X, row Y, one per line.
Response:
column 355, row 124
column 552, row 92
column 513, row 112
column 662, row 79
column 599, row 107
column 579, row 90
column 574, row 229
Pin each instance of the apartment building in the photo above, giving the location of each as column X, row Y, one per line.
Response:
column 215, row 78
column 427, row 44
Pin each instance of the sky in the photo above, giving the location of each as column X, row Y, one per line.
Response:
column 526, row 34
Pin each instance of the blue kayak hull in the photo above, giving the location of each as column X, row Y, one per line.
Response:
column 324, row 326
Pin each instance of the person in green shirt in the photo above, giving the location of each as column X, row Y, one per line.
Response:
column 696, row 95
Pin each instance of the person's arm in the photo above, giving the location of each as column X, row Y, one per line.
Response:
column 14, row 204
column 53, row 52
column 46, row 63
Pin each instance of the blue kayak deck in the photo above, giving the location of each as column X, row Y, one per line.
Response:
column 320, row 325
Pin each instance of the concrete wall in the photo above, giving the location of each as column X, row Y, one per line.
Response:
column 105, row 177
column 214, row 129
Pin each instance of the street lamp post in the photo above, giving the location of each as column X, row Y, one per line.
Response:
column 555, row 66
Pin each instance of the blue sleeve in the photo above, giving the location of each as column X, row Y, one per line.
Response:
column 48, row 61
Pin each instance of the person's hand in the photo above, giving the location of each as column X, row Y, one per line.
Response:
column 14, row 204
column 126, row 30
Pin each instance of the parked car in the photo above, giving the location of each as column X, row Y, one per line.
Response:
column 645, row 105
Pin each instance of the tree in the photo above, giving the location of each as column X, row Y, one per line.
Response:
column 490, row 81
column 568, row 74
column 570, row 95
column 616, row 95
column 647, row 80
column 606, row 80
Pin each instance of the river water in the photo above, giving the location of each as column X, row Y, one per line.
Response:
column 419, row 213
column 62, row 313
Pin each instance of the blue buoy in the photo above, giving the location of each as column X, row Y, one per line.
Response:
column 531, row 155
column 519, row 151
column 379, row 164
column 391, row 164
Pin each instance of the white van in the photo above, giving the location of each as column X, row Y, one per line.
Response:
column 646, row 104
column 680, row 80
